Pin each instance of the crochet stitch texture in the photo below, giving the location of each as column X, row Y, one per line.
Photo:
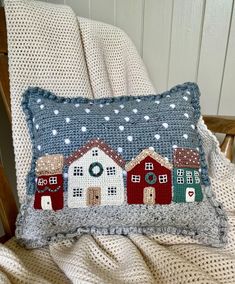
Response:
column 160, row 123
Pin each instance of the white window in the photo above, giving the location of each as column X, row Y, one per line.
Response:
column 135, row 178
column 180, row 180
column 112, row 190
column 95, row 152
column 42, row 181
column 148, row 166
column 77, row 192
column 180, row 172
column 53, row 180
column 189, row 180
column 78, row 171
column 197, row 179
column 162, row 178
column 111, row 171
column 188, row 173
column 196, row 173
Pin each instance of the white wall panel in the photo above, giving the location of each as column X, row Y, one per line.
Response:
column 56, row 1
column 213, row 51
column 185, row 41
column 103, row 10
column 80, row 7
column 129, row 17
column 156, row 40
column 227, row 100
column 179, row 40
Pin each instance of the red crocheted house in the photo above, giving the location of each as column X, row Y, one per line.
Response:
column 49, row 188
column 149, row 179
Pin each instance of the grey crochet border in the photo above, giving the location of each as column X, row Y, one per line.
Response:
column 194, row 90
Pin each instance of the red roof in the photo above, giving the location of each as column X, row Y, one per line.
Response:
column 96, row 143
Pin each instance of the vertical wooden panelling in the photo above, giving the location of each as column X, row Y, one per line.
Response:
column 80, row 7
column 180, row 40
column 156, row 40
column 227, row 100
column 103, row 10
column 213, row 51
column 129, row 17
column 185, row 41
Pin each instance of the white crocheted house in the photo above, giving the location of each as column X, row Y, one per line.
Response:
column 95, row 176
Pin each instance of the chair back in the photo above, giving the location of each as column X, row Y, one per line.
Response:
column 8, row 208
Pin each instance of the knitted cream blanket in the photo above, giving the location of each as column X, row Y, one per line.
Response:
column 51, row 48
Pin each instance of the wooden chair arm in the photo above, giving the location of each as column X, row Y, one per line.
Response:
column 225, row 125
column 220, row 123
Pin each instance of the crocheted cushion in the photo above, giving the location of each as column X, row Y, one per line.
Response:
column 117, row 166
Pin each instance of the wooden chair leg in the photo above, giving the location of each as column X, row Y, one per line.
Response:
column 8, row 208
column 227, row 146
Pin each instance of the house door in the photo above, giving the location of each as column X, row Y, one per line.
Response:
column 190, row 194
column 46, row 203
column 149, row 195
column 93, row 196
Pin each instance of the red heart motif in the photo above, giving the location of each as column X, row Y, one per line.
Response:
column 190, row 193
